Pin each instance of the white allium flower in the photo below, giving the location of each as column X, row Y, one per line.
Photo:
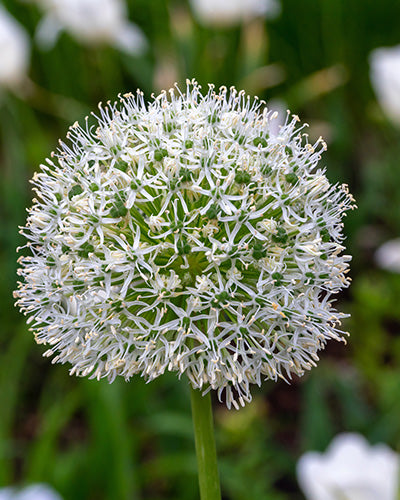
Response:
column 14, row 50
column 388, row 255
column 196, row 288
column 92, row 22
column 385, row 78
column 351, row 469
column 231, row 12
column 32, row 492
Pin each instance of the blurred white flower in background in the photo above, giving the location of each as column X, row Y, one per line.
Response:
column 230, row 12
column 14, row 50
column 351, row 469
column 385, row 78
column 388, row 255
column 33, row 492
column 91, row 22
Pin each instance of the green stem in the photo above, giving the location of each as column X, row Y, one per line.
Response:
column 205, row 446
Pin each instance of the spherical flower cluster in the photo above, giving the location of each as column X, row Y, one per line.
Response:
column 181, row 235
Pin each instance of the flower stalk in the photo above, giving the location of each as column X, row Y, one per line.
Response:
column 205, row 446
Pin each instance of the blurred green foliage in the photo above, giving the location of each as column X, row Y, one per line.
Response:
column 91, row 440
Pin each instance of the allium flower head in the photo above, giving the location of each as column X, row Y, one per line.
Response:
column 180, row 235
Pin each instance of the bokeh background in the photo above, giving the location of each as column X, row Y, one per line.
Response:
column 132, row 441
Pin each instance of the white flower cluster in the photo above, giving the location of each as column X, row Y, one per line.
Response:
column 180, row 235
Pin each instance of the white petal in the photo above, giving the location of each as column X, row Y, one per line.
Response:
column 350, row 468
column 231, row 12
column 388, row 255
column 14, row 50
column 385, row 78
column 131, row 39
column 47, row 32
